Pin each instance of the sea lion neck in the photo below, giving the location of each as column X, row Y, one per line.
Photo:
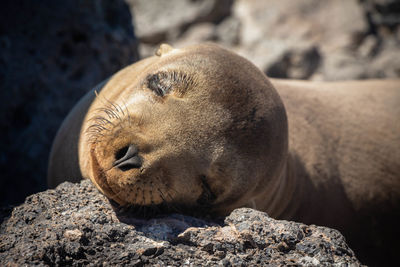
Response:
column 289, row 188
column 277, row 197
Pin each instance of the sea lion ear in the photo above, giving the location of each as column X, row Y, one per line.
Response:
column 164, row 49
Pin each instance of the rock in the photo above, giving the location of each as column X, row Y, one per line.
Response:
column 228, row 31
column 280, row 36
column 335, row 40
column 341, row 65
column 383, row 13
column 374, row 59
column 51, row 53
column 386, row 63
column 178, row 22
column 289, row 39
column 198, row 33
column 327, row 23
column 369, row 46
column 75, row 225
column 159, row 21
column 297, row 63
column 306, row 39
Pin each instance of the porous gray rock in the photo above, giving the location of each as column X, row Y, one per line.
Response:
column 51, row 53
column 75, row 225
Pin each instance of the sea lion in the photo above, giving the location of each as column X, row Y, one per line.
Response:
column 179, row 127
column 202, row 127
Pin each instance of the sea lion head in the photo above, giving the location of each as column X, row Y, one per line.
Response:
column 198, row 127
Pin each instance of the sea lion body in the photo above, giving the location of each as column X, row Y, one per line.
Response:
column 344, row 161
column 203, row 127
column 346, row 137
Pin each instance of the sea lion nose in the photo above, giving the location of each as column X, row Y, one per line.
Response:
column 127, row 158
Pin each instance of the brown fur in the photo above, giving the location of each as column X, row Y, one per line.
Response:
column 344, row 140
column 222, row 131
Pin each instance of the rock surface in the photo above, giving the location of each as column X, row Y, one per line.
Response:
column 75, row 225
column 51, row 53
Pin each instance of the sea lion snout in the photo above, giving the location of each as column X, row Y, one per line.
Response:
column 127, row 158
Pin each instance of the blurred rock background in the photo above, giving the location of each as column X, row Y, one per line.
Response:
column 52, row 52
column 307, row 39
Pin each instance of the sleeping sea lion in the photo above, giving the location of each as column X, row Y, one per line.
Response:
column 202, row 127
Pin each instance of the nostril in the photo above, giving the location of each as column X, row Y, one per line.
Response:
column 121, row 153
column 127, row 158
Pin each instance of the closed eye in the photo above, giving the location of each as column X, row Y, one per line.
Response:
column 157, row 85
column 163, row 83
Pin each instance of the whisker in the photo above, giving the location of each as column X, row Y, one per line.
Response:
column 127, row 112
column 115, row 110
column 161, row 194
column 120, row 109
column 104, row 120
column 109, row 110
column 170, row 205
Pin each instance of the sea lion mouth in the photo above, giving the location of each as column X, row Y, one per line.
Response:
column 202, row 207
column 207, row 197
